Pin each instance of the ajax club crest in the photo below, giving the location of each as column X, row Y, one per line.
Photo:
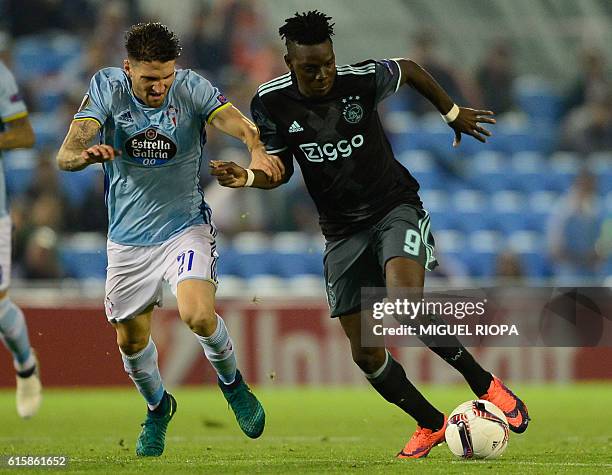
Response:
column 352, row 110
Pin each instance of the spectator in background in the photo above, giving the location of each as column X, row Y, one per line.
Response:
column 91, row 215
column 29, row 17
column 593, row 82
column 496, row 77
column 207, row 45
column 508, row 266
column 46, row 191
column 460, row 87
column 573, row 231
column 41, row 259
column 588, row 128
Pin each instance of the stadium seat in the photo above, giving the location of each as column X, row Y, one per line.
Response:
column 418, row 161
column 306, row 286
column 77, row 185
column 449, row 240
column 47, row 130
column 537, row 98
column 293, row 264
column 600, row 161
column 82, row 263
column 230, row 286
column 19, row 167
column 290, row 242
column 228, row 263
column 528, row 162
column 434, row 200
column 470, row 209
column 296, row 254
column 255, row 263
column 434, row 179
column 536, row 265
column 481, row 252
column 34, row 56
column 491, row 182
column 510, row 205
column 486, row 162
column 607, row 202
column 251, row 241
column 525, row 241
column 447, row 219
column 265, row 286
column 529, row 182
column 48, row 101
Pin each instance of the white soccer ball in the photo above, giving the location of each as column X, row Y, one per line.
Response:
column 477, row 430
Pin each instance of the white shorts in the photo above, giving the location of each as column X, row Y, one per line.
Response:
column 135, row 274
column 5, row 252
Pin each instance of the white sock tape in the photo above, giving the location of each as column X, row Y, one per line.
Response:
column 452, row 114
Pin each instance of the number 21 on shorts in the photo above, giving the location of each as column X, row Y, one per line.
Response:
column 181, row 261
column 412, row 242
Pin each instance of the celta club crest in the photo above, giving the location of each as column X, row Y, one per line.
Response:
column 172, row 114
column 352, row 111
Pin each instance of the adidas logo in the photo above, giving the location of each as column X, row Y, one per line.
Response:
column 295, row 127
column 126, row 116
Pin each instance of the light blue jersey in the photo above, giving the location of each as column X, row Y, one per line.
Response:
column 12, row 107
column 152, row 189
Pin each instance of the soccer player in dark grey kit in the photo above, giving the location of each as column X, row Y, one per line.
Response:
column 377, row 232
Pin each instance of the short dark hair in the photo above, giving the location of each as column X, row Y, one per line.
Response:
column 310, row 28
column 152, row 42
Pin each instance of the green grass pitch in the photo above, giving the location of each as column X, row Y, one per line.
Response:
column 333, row 430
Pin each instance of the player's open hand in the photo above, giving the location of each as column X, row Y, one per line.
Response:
column 467, row 123
column 228, row 173
column 100, row 153
column 271, row 165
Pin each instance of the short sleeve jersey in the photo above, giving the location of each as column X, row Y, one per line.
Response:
column 12, row 108
column 152, row 189
column 339, row 143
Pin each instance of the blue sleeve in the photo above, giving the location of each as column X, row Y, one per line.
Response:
column 207, row 99
column 96, row 103
column 388, row 77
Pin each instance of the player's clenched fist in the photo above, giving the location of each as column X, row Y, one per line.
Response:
column 99, row 153
column 228, row 173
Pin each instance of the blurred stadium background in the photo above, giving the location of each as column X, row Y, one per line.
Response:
column 532, row 207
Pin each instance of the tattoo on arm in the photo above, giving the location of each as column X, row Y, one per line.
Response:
column 79, row 138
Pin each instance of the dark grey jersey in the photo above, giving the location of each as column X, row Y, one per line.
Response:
column 339, row 143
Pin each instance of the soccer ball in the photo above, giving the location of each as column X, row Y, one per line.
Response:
column 477, row 429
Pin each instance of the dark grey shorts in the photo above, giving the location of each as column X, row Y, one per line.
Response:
column 359, row 260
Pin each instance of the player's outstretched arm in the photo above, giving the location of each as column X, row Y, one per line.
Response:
column 232, row 122
column 18, row 134
column 232, row 175
column 77, row 152
column 462, row 120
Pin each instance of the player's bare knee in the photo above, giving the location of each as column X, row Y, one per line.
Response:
column 132, row 344
column 369, row 359
column 200, row 319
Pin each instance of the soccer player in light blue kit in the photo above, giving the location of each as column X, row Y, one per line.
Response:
column 15, row 132
column 150, row 118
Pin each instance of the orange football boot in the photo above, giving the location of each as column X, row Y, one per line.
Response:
column 513, row 408
column 422, row 441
